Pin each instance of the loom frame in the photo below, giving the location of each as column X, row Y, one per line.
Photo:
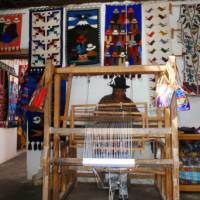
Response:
column 62, row 166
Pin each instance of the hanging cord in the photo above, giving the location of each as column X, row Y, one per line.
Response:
column 87, row 136
column 126, row 24
column 87, row 91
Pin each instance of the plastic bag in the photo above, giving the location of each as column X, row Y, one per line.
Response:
column 164, row 92
column 182, row 100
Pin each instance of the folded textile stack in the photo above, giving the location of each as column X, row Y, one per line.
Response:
column 189, row 175
column 190, row 158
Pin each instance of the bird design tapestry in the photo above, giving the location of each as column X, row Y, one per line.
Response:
column 190, row 31
column 123, row 31
column 157, row 38
column 157, row 32
column 10, row 33
column 82, row 35
column 46, row 34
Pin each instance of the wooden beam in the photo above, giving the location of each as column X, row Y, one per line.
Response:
column 151, row 132
column 47, row 123
column 68, row 94
column 183, row 136
column 175, row 149
column 56, row 136
column 22, row 54
column 96, row 71
column 190, row 188
column 138, row 162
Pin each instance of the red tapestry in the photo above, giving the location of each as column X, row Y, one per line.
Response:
column 10, row 33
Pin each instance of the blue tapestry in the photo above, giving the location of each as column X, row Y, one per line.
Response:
column 46, row 34
column 82, row 34
column 123, row 29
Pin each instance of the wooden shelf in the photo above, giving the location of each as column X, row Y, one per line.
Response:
column 190, row 188
column 183, row 136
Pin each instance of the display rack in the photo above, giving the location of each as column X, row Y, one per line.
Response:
column 64, row 163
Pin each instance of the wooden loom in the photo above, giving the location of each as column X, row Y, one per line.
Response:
column 60, row 170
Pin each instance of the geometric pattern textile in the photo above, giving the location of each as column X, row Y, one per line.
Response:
column 190, row 31
column 46, row 33
column 82, row 34
column 10, row 33
column 123, row 30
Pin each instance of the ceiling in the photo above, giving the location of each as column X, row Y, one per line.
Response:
column 6, row 4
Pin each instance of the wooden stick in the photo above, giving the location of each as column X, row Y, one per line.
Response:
column 168, row 177
column 63, row 155
column 175, row 150
column 56, row 136
column 68, row 94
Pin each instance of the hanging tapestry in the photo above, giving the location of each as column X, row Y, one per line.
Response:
column 23, row 70
column 190, row 31
column 83, row 43
column 3, row 97
column 35, row 119
column 12, row 101
column 123, row 31
column 10, row 33
column 46, row 37
column 157, row 38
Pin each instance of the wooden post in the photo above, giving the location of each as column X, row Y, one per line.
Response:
column 158, row 178
column 73, row 146
column 56, row 136
column 168, row 155
column 64, row 146
column 68, row 94
column 47, row 122
column 168, row 171
column 175, row 149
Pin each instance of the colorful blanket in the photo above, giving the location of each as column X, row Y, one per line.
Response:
column 82, row 35
column 46, row 35
column 10, row 33
column 123, row 30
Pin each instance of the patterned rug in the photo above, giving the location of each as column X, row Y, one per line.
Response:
column 123, row 35
column 46, row 33
column 82, row 35
column 10, row 33
column 190, row 31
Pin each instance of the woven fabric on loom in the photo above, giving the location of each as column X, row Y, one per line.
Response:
column 123, row 30
column 190, row 23
column 82, row 35
column 46, row 34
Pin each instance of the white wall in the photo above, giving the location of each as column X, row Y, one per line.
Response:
column 8, row 143
column 33, row 163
